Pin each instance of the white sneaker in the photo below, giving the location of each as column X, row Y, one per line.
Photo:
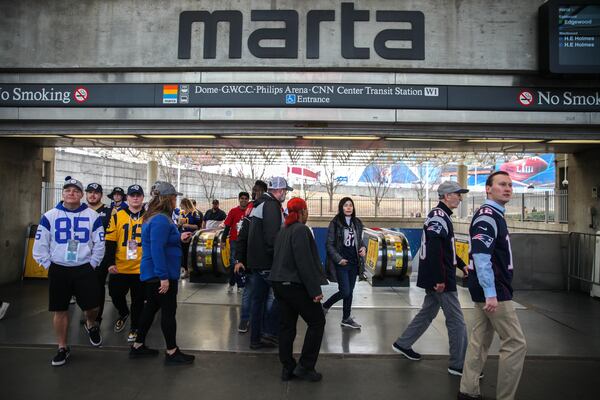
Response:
column 230, row 288
column 3, row 307
column 184, row 274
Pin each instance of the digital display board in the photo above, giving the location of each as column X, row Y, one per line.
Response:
column 569, row 37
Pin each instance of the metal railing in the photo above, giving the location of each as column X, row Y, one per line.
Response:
column 533, row 207
column 545, row 207
column 584, row 260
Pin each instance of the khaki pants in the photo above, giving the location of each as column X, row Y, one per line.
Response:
column 504, row 321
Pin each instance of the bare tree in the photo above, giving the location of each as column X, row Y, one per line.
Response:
column 428, row 174
column 378, row 183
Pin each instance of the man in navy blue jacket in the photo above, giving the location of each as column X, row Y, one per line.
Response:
column 437, row 275
column 490, row 285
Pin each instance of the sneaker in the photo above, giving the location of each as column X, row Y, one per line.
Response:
column 230, row 288
column 325, row 309
column 132, row 336
column 3, row 307
column 408, row 353
column 120, row 323
column 262, row 345
column 307, row 374
column 94, row 334
column 240, row 289
column 287, row 374
column 178, row 358
column 270, row 339
column 243, row 326
column 184, row 274
column 464, row 396
column 142, row 351
column 73, row 300
column 61, row 357
column 350, row 323
column 459, row 372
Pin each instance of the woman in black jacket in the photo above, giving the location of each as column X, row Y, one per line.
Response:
column 297, row 276
column 344, row 249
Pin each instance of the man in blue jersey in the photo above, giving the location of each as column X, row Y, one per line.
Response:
column 490, row 285
column 437, row 275
column 70, row 243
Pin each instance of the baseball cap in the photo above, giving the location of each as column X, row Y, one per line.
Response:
column 133, row 189
column 279, row 182
column 94, row 187
column 450, row 187
column 163, row 188
column 115, row 191
column 72, row 182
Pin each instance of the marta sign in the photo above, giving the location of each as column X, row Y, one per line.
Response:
column 410, row 41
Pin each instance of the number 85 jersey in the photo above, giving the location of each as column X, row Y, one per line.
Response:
column 124, row 238
column 60, row 226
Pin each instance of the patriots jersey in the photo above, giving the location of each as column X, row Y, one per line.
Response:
column 489, row 235
column 60, row 226
column 437, row 255
column 124, row 227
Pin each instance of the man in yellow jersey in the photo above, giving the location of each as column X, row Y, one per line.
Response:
column 124, row 249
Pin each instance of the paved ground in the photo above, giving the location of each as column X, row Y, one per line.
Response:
column 562, row 331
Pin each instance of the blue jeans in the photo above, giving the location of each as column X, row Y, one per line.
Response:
column 246, row 300
column 346, row 277
column 234, row 278
column 261, row 289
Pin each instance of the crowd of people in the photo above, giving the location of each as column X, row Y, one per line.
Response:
column 142, row 248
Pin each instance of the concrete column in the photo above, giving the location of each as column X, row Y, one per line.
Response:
column 462, row 179
column 21, row 182
column 584, row 209
column 151, row 175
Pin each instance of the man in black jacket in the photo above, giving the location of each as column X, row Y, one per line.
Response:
column 266, row 219
column 437, row 275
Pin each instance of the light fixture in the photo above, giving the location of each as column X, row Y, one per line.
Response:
column 328, row 137
column 179, row 136
column 265, row 137
column 101, row 136
column 505, row 141
column 41, row 136
column 575, row 141
column 411, row 139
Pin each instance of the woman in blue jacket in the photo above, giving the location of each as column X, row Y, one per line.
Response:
column 159, row 272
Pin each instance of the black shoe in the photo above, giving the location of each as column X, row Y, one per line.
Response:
column 459, row 372
column 408, row 353
column 94, row 334
column 307, row 374
column 270, row 339
column 178, row 358
column 61, row 357
column 243, row 327
column 262, row 345
column 287, row 374
column 142, row 351
column 464, row 396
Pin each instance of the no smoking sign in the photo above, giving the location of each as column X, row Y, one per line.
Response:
column 80, row 94
column 526, row 98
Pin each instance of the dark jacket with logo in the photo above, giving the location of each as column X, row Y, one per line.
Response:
column 266, row 219
column 437, row 255
column 296, row 259
column 335, row 244
column 489, row 235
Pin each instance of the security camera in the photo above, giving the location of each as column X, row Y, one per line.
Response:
column 565, row 182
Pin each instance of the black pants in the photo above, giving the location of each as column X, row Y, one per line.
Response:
column 167, row 304
column 185, row 247
column 118, row 287
column 101, row 273
column 293, row 301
